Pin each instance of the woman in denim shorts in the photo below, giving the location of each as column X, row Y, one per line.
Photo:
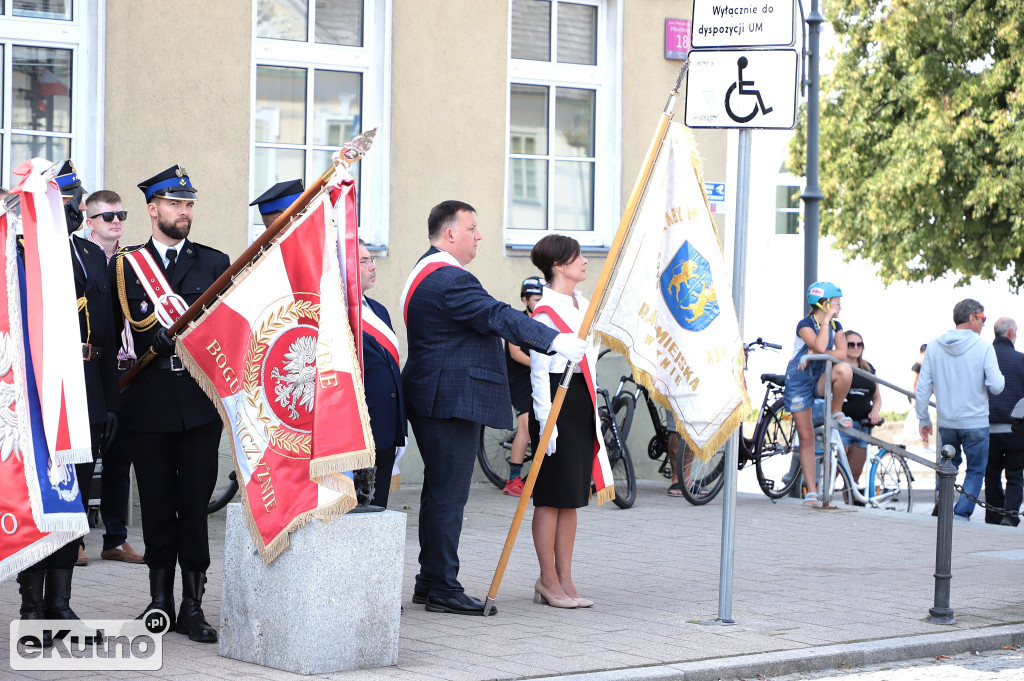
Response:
column 817, row 333
column 863, row 403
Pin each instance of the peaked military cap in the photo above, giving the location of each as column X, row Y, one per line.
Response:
column 172, row 183
column 278, row 197
column 67, row 180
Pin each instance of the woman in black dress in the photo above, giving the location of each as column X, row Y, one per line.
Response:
column 563, row 484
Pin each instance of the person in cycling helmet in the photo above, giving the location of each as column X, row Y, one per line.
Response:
column 817, row 333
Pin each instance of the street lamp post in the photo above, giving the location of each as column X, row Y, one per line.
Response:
column 812, row 195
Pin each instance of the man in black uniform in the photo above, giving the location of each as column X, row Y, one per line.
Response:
column 173, row 426
column 46, row 586
column 277, row 199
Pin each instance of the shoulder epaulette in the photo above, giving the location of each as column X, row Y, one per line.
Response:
column 129, row 249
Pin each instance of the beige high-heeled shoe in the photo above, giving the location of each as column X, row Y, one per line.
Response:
column 540, row 595
column 582, row 602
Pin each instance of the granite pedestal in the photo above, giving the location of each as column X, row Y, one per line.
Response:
column 330, row 602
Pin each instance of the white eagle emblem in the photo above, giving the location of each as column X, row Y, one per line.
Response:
column 10, row 436
column 295, row 388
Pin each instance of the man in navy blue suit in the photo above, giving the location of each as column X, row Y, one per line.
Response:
column 382, row 380
column 455, row 383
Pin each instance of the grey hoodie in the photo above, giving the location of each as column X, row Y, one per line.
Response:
column 961, row 368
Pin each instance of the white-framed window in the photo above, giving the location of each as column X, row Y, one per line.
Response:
column 563, row 121
column 320, row 74
column 50, row 84
column 789, row 210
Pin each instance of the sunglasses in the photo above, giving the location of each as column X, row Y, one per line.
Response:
column 855, row 344
column 108, row 216
column 982, row 317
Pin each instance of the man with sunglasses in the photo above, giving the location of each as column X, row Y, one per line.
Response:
column 104, row 220
column 961, row 369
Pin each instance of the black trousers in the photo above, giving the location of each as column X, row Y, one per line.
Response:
column 1005, row 453
column 117, row 466
column 448, row 448
column 177, row 473
column 385, row 463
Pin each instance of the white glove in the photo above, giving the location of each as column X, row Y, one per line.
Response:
column 554, row 435
column 570, row 346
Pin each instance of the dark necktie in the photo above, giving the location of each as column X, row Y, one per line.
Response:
column 172, row 256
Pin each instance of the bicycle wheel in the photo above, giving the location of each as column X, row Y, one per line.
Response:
column 701, row 481
column 889, row 483
column 621, row 462
column 841, row 495
column 223, row 494
column 494, row 452
column 624, row 405
column 775, row 451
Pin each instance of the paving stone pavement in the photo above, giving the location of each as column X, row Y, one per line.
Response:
column 804, row 579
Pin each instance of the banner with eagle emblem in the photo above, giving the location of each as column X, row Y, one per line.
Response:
column 668, row 308
column 276, row 353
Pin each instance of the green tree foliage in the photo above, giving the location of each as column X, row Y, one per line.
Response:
column 922, row 137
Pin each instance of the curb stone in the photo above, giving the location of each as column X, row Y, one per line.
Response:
column 816, row 658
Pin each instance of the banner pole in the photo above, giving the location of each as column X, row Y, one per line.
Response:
column 351, row 151
column 596, row 302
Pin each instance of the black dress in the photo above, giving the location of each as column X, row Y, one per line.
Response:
column 564, row 478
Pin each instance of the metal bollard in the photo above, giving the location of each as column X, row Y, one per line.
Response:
column 940, row 612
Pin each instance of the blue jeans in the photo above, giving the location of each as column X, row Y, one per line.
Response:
column 973, row 443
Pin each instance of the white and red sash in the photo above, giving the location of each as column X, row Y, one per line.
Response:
column 381, row 332
column 423, row 269
column 167, row 304
column 601, row 469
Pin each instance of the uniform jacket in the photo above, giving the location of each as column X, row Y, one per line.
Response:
column 383, row 385
column 159, row 400
column 456, row 365
column 96, row 319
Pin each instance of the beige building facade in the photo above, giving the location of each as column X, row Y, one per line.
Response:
column 536, row 112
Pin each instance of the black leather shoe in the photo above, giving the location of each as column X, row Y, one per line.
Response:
column 419, row 599
column 1010, row 521
column 191, row 619
column 459, row 604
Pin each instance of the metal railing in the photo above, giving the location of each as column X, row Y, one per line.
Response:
column 940, row 612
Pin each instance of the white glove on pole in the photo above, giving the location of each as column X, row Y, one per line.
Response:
column 551, row 443
column 570, row 346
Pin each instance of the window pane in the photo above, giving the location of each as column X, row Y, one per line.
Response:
column 273, row 166
column 25, row 147
column 574, row 196
column 336, row 107
column 531, row 30
column 280, row 105
column 43, row 9
column 339, row 22
column 787, row 222
column 527, row 194
column 42, row 89
column 577, row 33
column 574, row 122
column 282, row 19
column 529, row 119
column 787, row 196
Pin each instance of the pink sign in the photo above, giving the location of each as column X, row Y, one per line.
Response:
column 677, row 38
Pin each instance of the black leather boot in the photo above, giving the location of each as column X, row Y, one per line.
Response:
column 32, row 599
column 191, row 619
column 161, row 591
column 57, row 595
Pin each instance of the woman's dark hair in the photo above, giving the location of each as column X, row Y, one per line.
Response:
column 861, row 362
column 554, row 249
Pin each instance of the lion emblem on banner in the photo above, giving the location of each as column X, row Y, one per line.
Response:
column 689, row 289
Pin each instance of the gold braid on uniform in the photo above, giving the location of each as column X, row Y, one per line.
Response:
column 83, row 304
column 147, row 323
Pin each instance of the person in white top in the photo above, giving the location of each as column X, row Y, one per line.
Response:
column 563, row 484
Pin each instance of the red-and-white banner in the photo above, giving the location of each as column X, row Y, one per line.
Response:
column 278, row 356
column 53, row 315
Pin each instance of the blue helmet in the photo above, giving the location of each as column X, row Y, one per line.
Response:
column 822, row 289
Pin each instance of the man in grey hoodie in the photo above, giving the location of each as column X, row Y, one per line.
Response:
column 961, row 369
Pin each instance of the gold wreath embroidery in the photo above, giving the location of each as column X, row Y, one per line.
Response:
column 278, row 320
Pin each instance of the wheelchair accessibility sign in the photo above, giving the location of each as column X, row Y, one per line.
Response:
column 742, row 89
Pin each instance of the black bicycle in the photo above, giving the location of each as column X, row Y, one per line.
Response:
column 770, row 448
column 496, row 448
column 223, row 493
